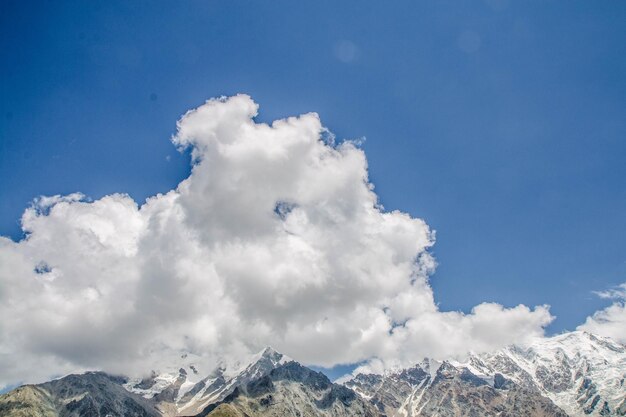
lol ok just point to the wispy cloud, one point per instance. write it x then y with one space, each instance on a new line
617 293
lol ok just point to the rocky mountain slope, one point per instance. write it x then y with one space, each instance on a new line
433 389
269 385
574 374
582 373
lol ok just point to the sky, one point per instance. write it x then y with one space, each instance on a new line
501 125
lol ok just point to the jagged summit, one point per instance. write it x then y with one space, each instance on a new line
270 351
272 355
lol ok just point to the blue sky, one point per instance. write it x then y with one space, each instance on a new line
501 124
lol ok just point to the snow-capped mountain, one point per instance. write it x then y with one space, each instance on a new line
443 389
291 390
582 373
268 384
575 374
188 391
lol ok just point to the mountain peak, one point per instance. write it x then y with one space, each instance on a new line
270 354
577 343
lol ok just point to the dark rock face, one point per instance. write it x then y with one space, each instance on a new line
500 382
259 387
471 379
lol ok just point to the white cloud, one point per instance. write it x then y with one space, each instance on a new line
611 321
276 238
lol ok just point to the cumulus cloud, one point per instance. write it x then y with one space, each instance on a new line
275 238
611 321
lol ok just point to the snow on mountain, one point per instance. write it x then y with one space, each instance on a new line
574 374
188 391
582 373
579 373
443 389
291 390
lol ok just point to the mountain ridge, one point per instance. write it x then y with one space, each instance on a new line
574 374
579 372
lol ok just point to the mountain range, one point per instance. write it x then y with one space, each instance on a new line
575 374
